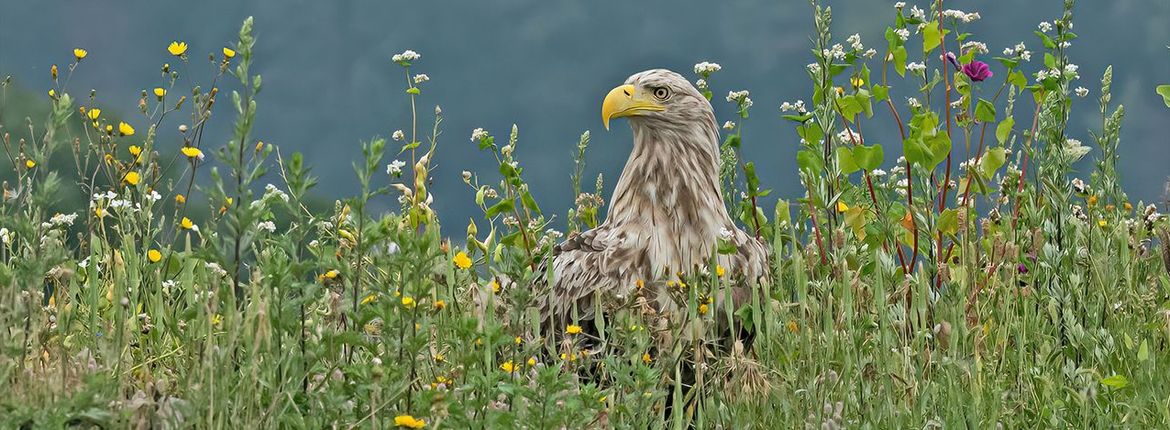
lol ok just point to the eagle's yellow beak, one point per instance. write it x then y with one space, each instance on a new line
626 101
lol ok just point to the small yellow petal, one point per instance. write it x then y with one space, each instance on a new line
177 48
79 53
192 152
842 207
131 178
160 92
125 129
154 255
93 113
462 261
186 223
30 163
229 52
134 150
573 329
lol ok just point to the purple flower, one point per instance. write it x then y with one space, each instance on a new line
977 71
1022 269
954 61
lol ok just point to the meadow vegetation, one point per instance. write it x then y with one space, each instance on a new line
976 280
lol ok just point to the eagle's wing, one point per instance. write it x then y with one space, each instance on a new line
583 268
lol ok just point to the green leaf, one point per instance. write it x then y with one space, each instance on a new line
948 222
529 202
1144 351
880 93
845 160
992 161
868 157
900 60
940 147
501 207
1004 129
855 219
985 111
797 118
809 162
916 151
810 132
1115 382
1049 60
1018 79
1164 91
850 107
930 37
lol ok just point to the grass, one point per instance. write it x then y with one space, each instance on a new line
976 283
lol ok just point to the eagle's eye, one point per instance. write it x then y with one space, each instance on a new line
661 93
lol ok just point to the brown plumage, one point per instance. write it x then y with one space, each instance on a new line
666 214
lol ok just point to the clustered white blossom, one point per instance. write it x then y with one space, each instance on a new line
215 268
836 52
1082 91
1044 26
917 13
1018 50
270 192
855 42
706 67
267 226
848 135
978 47
478 134
877 173
740 97
701 84
916 67
421 77
406 55
903 34
1074 149
899 5
395 167
398 135
6 238
960 15
913 102
797 106
870 53
154 196
728 125
725 233
63 219
813 68
1079 186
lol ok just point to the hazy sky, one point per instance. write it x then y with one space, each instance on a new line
545 66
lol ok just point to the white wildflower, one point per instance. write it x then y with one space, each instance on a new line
707 68
1082 91
438 110
421 77
877 173
917 13
855 42
215 268
913 102
903 34
899 5
395 167
916 67
870 53
398 135
267 226
1044 26
735 96
1075 150
960 15
701 84
406 55
63 219
154 196
6 238
478 134
728 125
813 68
977 47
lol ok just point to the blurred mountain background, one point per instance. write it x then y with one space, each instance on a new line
545 66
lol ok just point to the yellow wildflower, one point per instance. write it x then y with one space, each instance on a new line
52 94
177 48
531 361
332 274
508 366
495 286
216 319
1102 223
259 145
842 207
640 284
191 152
125 129
703 309
79 53
30 163
109 128
154 256
1092 201
573 329
99 212
134 150
131 178
1128 207
369 299
180 199
186 223
407 421
439 358
228 52
462 261
160 92
519 340
719 271
93 113
646 358
53 71
440 304
408 302
793 327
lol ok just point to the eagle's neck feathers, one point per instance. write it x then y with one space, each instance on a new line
668 199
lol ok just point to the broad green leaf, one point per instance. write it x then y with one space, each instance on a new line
985 111
845 160
1004 129
810 162
1164 91
916 151
940 147
501 207
930 37
868 157
1143 351
992 161
900 60
948 222
855 219
1115 382
1018 79
850 107
880 93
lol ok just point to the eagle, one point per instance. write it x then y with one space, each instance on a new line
666 215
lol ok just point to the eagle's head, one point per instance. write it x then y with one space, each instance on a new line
658 99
